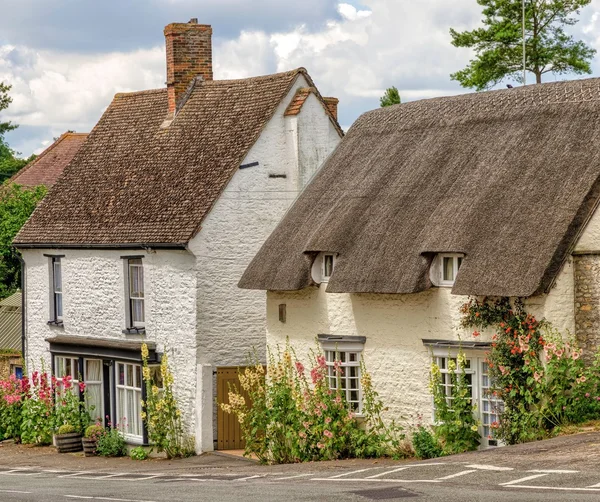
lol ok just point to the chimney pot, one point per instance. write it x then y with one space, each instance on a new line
332 106
189 54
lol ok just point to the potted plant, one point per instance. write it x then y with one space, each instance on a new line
90 438
67 439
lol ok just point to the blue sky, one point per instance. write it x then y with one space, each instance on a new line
67 58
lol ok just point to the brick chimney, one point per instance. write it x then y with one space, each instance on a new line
189 54
332 105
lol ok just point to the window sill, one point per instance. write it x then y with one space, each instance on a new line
134 331
58 324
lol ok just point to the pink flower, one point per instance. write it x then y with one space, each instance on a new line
476 334
327 433
302 435
299 368
81 386
328 420
587 394
320 445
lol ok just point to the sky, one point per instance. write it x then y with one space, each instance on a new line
65 59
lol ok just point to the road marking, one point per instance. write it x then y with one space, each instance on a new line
19 472
374 476
87 497
353 472
12 491
461 473
489 467
292 477
594 486
560 488
551 471
249 477
380 480
520 480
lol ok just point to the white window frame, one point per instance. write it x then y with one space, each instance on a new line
479 385
134 262
328 258
60 362
101 414
55 316
133 417
319 268
350 367
437 268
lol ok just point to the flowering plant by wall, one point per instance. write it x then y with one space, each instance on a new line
538 374
161 412
290 414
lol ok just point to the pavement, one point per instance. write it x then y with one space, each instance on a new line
560 469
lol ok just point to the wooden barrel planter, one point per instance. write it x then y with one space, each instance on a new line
66 443
89 447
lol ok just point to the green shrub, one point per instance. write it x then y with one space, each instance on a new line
425 444
66 429
94 431
138 453
111 444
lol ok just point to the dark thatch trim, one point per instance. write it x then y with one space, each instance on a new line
509 178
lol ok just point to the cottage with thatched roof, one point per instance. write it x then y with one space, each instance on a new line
147 232
424 203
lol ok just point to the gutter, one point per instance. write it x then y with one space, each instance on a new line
22 308
135 245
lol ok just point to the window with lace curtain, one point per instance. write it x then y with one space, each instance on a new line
135 294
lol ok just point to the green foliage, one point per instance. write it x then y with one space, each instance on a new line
111 443
286 419
425 444
539 375
161 412
498 43
456 428
16 205
9 163
5 100
93 431
138 453
69 407
390 97
66 429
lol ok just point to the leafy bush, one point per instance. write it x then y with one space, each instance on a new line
425 444
94 431
138 453
161 412
111 443
456 427
289 419
66 429
37 425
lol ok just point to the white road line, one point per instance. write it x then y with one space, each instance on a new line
560 488
87 497
292 477
18 472
249 477
461 473
380 480
594 486
353 472
375 476
124 477
12 491
551 471
73 474
488 467
520 480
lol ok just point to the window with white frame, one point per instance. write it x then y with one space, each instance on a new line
66 366
136 314
488 407
328 263
343 357
323 266
56 290
129 400
445 268
94 386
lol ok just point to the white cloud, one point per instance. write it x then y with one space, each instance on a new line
351 13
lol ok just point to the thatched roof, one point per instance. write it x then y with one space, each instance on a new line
136 183
507 177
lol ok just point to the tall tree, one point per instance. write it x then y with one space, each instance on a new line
391 97
498 45
9 161
16 205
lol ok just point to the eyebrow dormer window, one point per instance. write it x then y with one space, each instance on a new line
328 260
323 266
445 268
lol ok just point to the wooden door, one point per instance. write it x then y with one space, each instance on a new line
229 433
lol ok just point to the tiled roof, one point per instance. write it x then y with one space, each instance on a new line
135 182
49 165
10 322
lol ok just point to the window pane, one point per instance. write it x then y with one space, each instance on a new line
328 265
129 375
448 267
137 311
121 374
57 275
58 304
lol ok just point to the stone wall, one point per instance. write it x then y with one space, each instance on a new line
6 361
587 303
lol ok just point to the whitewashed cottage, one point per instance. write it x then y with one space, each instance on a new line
422 204
147 232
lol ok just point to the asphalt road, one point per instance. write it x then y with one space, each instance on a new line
562 469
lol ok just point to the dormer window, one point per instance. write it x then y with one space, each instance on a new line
445 268
323 267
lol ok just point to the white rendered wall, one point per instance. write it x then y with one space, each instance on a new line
94 306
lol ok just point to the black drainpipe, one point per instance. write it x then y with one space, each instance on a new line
22 309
